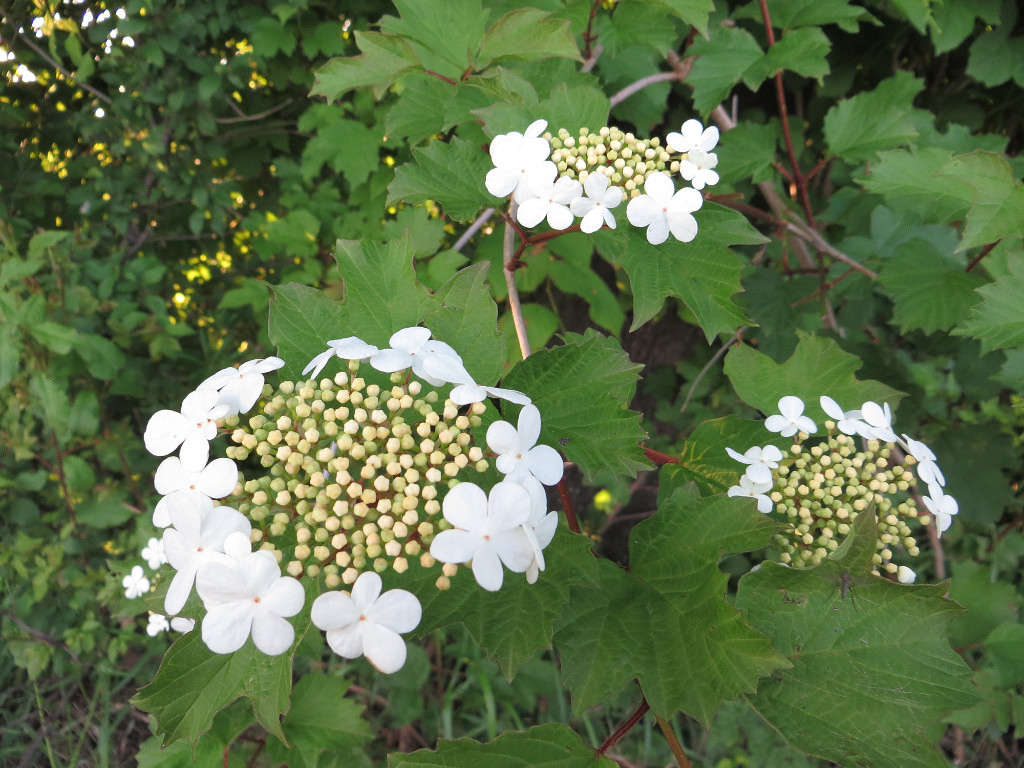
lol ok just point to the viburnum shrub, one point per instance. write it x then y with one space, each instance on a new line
397 463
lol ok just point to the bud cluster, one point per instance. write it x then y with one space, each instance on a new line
626 160
353 473
822 488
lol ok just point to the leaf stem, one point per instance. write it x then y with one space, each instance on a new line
660 458
625 728
570 512
514 305
439 76
984 252
673 742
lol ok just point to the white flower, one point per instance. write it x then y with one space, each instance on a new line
240 387
698 168
488 531
467 390
755 490
540 527
410 349
546 198
790 418
243 591
879 421
349 348
192 428
847 422
662 210
157 623
198 533
693 135
927 469
153 553
518 454
173 478
761 461
941 506
183 624
905 575
596 207
514 155
367 622
135 583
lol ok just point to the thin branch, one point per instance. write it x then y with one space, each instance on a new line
69 76
475 227
809 233
244 118
643 82
570 512
710 363
625 728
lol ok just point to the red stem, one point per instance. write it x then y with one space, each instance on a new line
984 252
624 728
570 513
660 458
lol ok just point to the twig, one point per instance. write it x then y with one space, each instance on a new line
514 305
475 227
570 512
625 728
53 63
707 366
643 82
244 118
811 234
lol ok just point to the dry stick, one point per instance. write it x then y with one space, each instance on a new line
643 82
475 227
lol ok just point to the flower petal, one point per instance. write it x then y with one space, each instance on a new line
545 463
487 568
397 610
384 648
502 438
226 627
271 633
333 611
455 546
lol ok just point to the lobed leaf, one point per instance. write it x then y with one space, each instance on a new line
450 173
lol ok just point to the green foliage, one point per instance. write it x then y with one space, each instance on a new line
864 242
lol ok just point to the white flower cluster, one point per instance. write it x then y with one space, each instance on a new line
873 423
591 180
243 592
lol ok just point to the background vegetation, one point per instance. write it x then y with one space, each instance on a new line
159 162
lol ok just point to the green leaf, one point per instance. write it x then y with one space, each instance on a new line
693 12
515 623
997 209
383 58
381 292
930 290
989 603
858 128
453 30
102 357
996 57
817 367
467 318
10 357
347 146
320 719
910 182
59 339
422 110
704 274
917 12
789 14
553 746
583 389
804 51
871 666
193 684
527 33
704 460
18 269
571 273
721 62
998 321
666 620
302 320
41 242
450 173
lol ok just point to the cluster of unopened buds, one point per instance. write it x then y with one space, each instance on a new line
560 177
338 480
820 489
